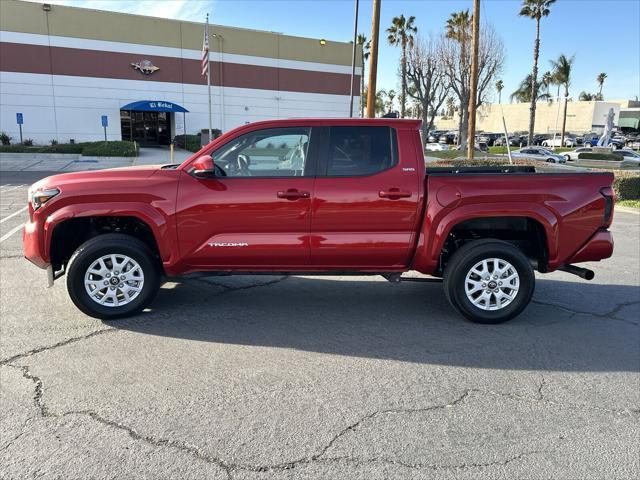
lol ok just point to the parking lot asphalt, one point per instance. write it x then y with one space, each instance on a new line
319 377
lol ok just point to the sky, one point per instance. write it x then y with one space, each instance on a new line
604 35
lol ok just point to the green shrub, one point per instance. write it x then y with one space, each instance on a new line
192 142
491 162
28 142
5 139
109 149
627 186
88 149
599 156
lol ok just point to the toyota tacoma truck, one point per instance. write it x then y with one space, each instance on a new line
321 197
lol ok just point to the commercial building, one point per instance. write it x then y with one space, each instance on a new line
65 68
582 117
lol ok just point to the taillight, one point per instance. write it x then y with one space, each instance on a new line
609 196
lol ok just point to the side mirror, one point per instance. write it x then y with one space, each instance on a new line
203 166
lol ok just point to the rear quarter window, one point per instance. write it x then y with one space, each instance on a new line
359 151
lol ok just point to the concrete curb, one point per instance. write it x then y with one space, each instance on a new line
626 210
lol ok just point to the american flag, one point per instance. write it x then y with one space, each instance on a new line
205 50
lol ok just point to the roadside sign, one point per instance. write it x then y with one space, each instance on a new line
19 118
105 124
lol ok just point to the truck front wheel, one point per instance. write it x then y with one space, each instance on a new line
489 281
112 276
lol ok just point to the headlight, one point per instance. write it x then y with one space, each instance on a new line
40 197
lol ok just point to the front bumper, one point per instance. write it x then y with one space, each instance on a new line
32 245
599 247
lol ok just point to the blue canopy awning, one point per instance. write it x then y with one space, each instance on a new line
154 106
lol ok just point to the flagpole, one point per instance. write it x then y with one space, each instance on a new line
208 76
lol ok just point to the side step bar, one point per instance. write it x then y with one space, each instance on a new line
397 278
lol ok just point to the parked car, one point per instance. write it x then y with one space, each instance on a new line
614 143
573 155
488 138
434 136
502 141
244 203
539 138
626 153
541 154
436 147
450 138
557 142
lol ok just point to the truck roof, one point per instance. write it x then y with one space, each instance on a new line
404 123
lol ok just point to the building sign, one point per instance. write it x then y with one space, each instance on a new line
145 67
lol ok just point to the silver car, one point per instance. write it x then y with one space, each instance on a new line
541 154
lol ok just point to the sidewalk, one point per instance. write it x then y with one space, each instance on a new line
27 162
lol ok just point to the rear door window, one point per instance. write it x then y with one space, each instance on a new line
359 151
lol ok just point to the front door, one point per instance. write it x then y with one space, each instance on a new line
366 197
255 213
146 128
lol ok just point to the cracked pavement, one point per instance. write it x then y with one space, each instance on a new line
315 377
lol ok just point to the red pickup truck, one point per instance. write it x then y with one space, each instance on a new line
317 196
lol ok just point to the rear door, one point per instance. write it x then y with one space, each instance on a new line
366 198
255 213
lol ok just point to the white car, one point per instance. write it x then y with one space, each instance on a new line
573 155
556 142
436 147
537 153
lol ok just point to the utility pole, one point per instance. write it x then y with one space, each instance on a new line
373 60
353 59
471 133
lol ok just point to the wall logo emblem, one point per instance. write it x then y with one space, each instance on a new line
145 66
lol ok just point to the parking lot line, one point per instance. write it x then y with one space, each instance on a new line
10 232
13 214
5 190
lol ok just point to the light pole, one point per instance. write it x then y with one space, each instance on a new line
353 59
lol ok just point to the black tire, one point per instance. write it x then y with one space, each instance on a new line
551 160
465 258
112 243
567 158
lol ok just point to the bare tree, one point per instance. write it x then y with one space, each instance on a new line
427 79
456 62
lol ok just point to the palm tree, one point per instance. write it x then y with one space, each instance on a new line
535 9
523 92
391 94
562 77
458 26
499 87
600 79
366 51
587 97
401 32
547 81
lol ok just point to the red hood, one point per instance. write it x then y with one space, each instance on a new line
108 175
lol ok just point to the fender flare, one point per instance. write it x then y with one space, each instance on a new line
157 223
438 225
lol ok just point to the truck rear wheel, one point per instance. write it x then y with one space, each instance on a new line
489 281
112 276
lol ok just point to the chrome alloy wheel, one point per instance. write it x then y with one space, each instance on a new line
492 284
114 280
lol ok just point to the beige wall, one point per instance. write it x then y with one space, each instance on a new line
582 117
28 17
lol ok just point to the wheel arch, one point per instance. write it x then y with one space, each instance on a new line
65 233
439 237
